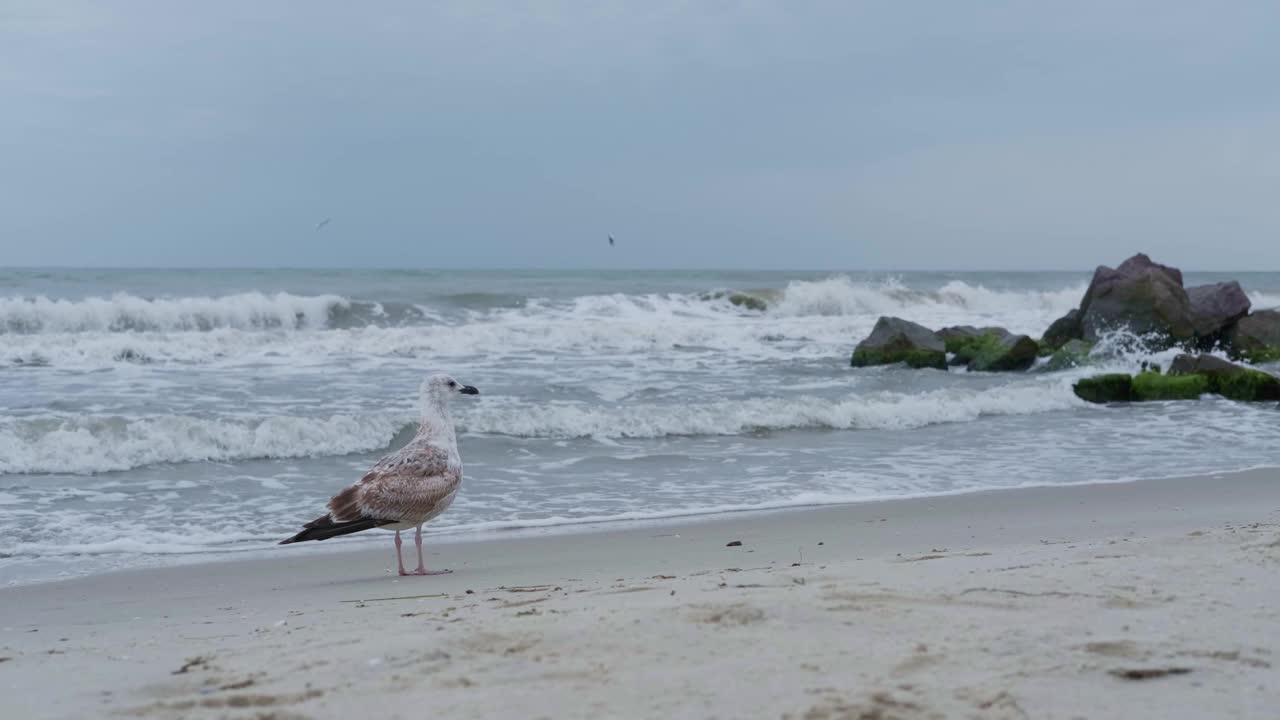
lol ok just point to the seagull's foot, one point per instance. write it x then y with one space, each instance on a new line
404 572
424 571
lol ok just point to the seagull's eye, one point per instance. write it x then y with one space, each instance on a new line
453 384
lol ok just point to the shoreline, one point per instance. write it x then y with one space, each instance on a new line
514 530
1023 600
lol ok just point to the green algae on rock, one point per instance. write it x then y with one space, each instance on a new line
1151 385
989 349
1072 354
1113 387
894 340
738 298
1189 377
1256 337
1228 379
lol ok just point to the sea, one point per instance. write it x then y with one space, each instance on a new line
171 416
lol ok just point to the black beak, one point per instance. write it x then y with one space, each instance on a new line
469 390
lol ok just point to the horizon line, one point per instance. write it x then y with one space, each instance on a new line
463 268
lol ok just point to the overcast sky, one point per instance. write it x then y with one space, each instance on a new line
841 135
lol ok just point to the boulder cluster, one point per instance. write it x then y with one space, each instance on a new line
1189 377
894 340
1148 299
1140 296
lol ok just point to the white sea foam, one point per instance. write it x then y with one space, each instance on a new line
879 411
839 296
654 319
1263 301
123 312
103 444
810 318
127 539
189 540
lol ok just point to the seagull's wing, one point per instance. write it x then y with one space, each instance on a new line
405 486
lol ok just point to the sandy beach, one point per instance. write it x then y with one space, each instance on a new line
1146 599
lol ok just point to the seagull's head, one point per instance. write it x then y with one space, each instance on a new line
440 388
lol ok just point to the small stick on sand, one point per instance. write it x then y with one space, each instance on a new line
398 597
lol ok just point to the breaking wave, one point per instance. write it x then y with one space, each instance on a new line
128 313
881 411
813 316
841 295
105 444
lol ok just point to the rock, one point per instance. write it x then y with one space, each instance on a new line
957 337
1141 262
750 302
1228 379
1185 364
1062 331
1249 386
1073 354
1148 385
738 298
894 340
1256 337
1115 387
1151 385
990 349
1189 377
1141 295
1215 307
961 332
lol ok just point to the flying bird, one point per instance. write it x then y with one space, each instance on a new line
406 488
610 241
320 225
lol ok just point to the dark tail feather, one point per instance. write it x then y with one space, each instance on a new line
324 528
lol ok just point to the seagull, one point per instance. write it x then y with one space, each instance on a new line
320 225
610 241
406 488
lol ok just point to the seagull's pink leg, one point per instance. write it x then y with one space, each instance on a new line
399 562
422 570
417 540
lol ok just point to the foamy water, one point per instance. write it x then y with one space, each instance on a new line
148 416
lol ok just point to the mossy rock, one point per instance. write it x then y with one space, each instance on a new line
992 350
912 358
738 299
1115 387
1260 354
1256 337
1229 380
1145 386
1242 384
894 340
1249 386
963 348
1073 354
750 302
1151 385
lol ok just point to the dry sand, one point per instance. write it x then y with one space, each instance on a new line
1156 599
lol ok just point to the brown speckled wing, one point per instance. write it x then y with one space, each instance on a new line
404 486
